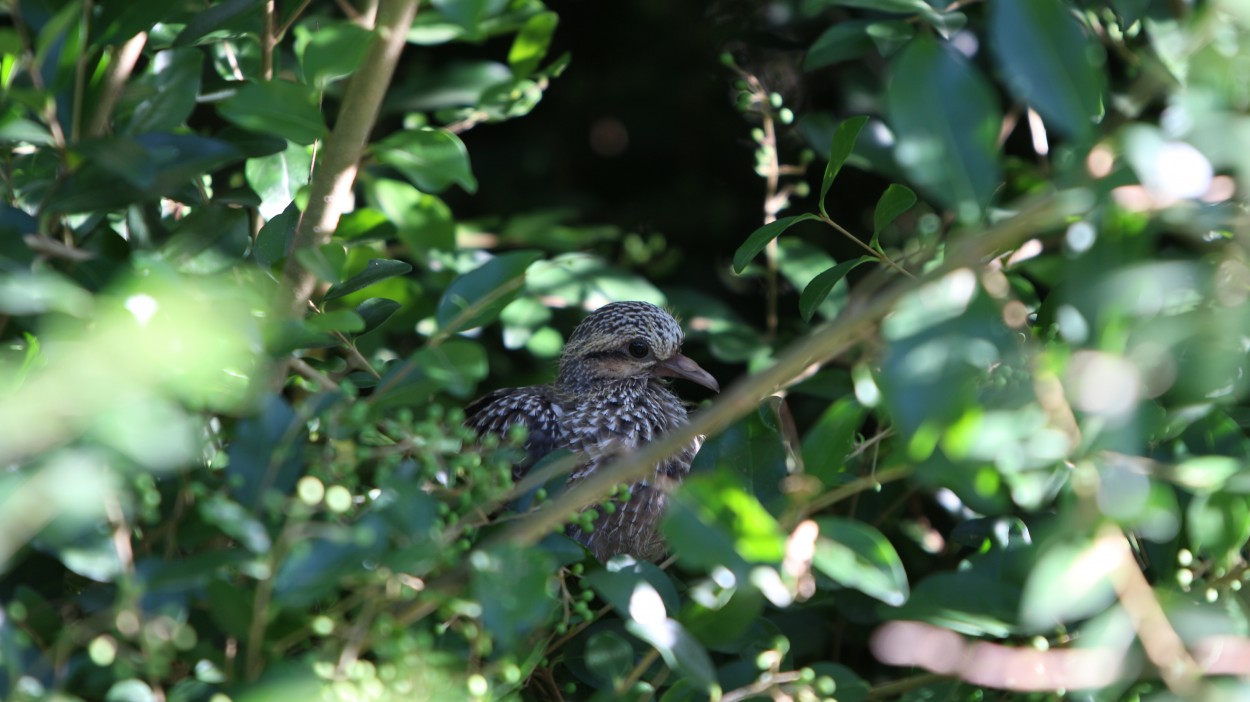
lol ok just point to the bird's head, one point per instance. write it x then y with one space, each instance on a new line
628 341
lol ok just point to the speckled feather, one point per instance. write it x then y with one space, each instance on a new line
604 403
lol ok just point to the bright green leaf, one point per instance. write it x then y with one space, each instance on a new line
331 51
531 43
431 158
277 178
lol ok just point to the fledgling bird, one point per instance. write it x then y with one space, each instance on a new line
611 396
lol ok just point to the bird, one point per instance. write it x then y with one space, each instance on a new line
611 396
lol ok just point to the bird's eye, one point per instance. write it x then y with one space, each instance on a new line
639 348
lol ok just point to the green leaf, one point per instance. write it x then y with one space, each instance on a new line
164 96
476 298
714 521
531 43
681 651
455 367
841 42
235 522
431 158
831 439
331 51
760 238
279 107
515 588
890 35
964 602
1218 524
609 656
223 16
375 311
345 321
277 178
1069 582
752 451
857 556
423 222
274 238
951 153
377 270
820 287
622 576
1050 63
896 200
843 143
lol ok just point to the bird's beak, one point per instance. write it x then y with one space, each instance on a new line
679 366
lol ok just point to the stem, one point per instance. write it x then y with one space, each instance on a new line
877 254
267 39
80 73
119 69
331 187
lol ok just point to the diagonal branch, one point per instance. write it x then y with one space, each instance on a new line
331 187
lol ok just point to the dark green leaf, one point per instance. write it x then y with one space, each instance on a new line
964 602
820 287
377 270
951 153
515 587
262 455
1218 524
278 107
829 441
226 16
1050 63
164 96
752 451
681 651
431 158
476 298
857 556
760 238
531 43
315 566
331 51
843 143
609 656
423 222
622 575
236 522
375 311
841 42
890 35
896 200
274 238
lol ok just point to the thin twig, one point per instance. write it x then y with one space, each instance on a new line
118 72
875 253
268 37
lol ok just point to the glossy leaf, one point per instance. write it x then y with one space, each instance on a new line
277 178
454 367
950 153
422 221
224 16
843 143
760 238
477 297
375 311
1051 63
377 270
515 588
332 51
432 159
277 107
274 238
843 41
168 90
820 287
831 438
714 521
858 556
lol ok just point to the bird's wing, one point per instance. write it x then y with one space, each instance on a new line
532 407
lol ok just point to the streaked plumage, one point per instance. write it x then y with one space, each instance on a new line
611 396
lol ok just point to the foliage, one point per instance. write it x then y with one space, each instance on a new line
990 421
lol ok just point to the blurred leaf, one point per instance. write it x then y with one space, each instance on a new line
890 35
623 575
235 522
1070 581
1218 524
713 521
531 43
455 367
858 556
277 107
39 293
432 159
345 321
315 566
274 238
476 298
469 13
1051 64
896 200
609 656
952 153
516 590
459 84
842 42
277 178
377 270
331 51
963 602
375 311
228 14
843 142
263 455
423 222
760 238
820 287
132 690
751 451
587 282
831 438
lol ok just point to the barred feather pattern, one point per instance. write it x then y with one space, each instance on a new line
605 403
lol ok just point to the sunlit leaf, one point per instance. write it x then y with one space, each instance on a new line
531 43
858 556
379 269
477 297
332 51
277 107
432 159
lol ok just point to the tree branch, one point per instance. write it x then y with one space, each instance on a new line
332 183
